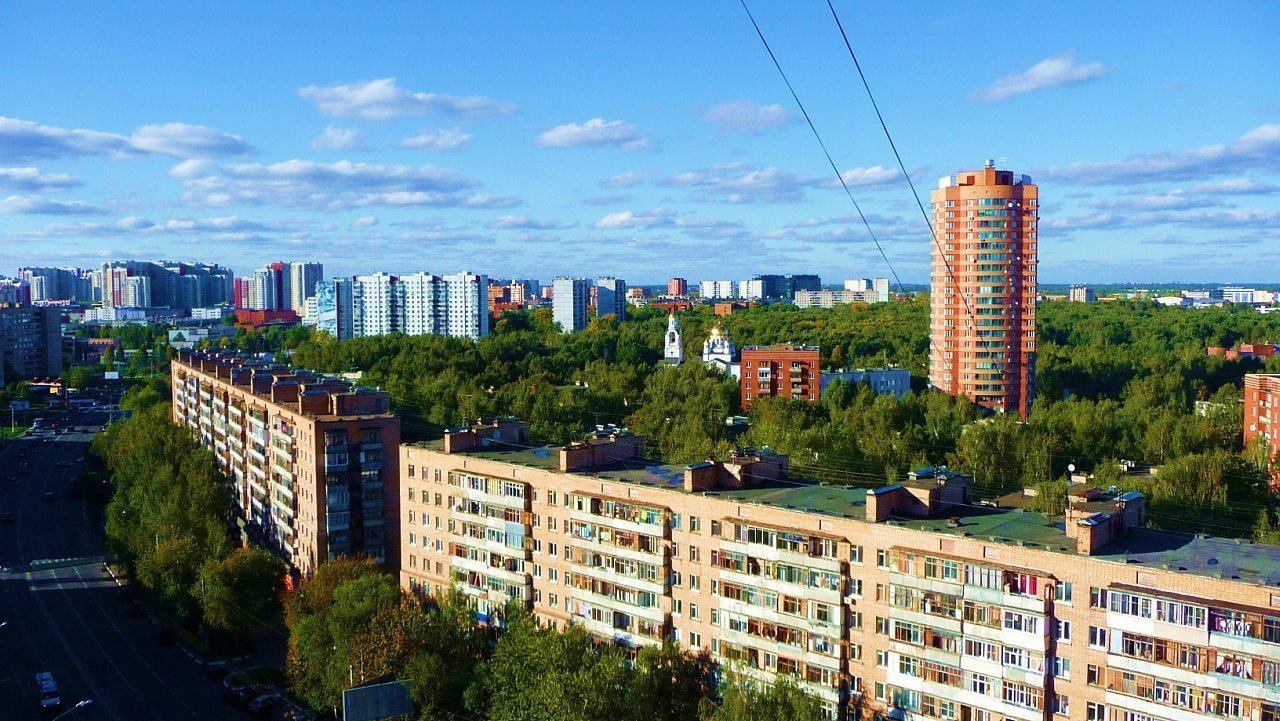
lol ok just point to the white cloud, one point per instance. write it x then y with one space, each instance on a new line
336 138
439 139
745 116
382 99
595 133
630 219
367 221
31 179
1234 186
1052 72
521 222
337 186
187 141
866 177
39 205
1256 150
26 140
192 168
625 180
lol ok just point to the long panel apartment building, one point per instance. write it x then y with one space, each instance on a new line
906 600
312 460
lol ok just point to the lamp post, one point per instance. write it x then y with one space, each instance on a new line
80 704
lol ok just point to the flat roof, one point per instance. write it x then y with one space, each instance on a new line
1226 558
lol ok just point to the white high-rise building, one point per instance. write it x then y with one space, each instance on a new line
302 283
569 303
375 305
466 297
135 292
611 298
709 289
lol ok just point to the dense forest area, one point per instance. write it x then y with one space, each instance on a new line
1117 381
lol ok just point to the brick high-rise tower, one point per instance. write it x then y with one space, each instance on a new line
983 293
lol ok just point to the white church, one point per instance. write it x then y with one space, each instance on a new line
719 352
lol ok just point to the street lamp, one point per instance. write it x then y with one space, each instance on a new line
80 704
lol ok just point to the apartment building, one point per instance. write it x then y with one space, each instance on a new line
905 601
1262 414
569 301
30 342
983 294
782 370
312 461
611 298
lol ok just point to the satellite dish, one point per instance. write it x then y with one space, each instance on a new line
484 442
497 434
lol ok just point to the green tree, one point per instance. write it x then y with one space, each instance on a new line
241 590
742 699
537 673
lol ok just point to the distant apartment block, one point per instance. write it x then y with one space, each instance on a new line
873 290
312 461
716 289
30 343
611 298
833 298
569 300
1262 418
1082 294
162 284
781 371
418 304
906 601
49 284
891 381
677 287
983 293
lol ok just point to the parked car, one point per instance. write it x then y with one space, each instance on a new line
263 705
238 690
47 690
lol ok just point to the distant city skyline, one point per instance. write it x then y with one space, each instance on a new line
531 142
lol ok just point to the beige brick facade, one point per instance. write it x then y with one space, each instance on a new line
970 612
313 462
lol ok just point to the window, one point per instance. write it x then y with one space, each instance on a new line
1097 637
695 524
1015 621
1063 631
882 559
1093 675
1062 668
1095 712
411 472
1060 704
855 554
715 528
1062 592
942 569
695 640
693 611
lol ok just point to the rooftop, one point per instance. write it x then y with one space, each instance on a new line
1225 558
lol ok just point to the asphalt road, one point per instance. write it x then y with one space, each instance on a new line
64 614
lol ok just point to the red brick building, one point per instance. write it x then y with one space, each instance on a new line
787 371
1262 416
983 292
672 306
677 286
260 318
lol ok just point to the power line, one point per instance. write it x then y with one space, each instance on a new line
822 144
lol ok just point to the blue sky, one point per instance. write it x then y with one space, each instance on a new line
641 140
